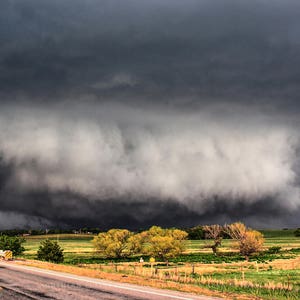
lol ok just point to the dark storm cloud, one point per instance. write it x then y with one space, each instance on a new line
116 112
169 49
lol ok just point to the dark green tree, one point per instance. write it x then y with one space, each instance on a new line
13 243
297 232
196 233
50 251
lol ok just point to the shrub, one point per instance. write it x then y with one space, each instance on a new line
50 251
13 243
274 250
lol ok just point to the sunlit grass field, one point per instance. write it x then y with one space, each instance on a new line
73 244
268 276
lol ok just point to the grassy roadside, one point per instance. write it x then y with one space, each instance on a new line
231 281
132 279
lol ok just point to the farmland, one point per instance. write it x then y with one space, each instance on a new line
267 275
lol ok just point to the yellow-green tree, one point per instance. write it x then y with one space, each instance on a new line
117 243
249 240
164 243
135 243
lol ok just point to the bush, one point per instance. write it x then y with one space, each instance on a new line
50 251
13 243
273 250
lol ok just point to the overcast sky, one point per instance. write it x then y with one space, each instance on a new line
131 113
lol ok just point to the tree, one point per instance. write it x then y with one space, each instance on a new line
297 232
236 231
13 243
252 242
135 243
50 251
195 233
214 232
117 243
165 243
249 240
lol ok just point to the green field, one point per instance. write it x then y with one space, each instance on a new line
74 245
80 245
269 276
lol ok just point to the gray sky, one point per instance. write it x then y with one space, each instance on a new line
131 113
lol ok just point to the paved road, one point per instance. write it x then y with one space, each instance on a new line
21 282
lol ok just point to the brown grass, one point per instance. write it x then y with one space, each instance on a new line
133 279
286 264
178 277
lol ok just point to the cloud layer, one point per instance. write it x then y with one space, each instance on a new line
116 112
144 50
123 153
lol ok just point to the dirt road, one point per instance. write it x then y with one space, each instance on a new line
21 282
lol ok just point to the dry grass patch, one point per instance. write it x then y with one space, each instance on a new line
99 273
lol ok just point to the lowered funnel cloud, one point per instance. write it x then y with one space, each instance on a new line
133 113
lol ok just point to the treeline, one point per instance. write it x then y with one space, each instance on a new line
20 232
193 233
200 233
